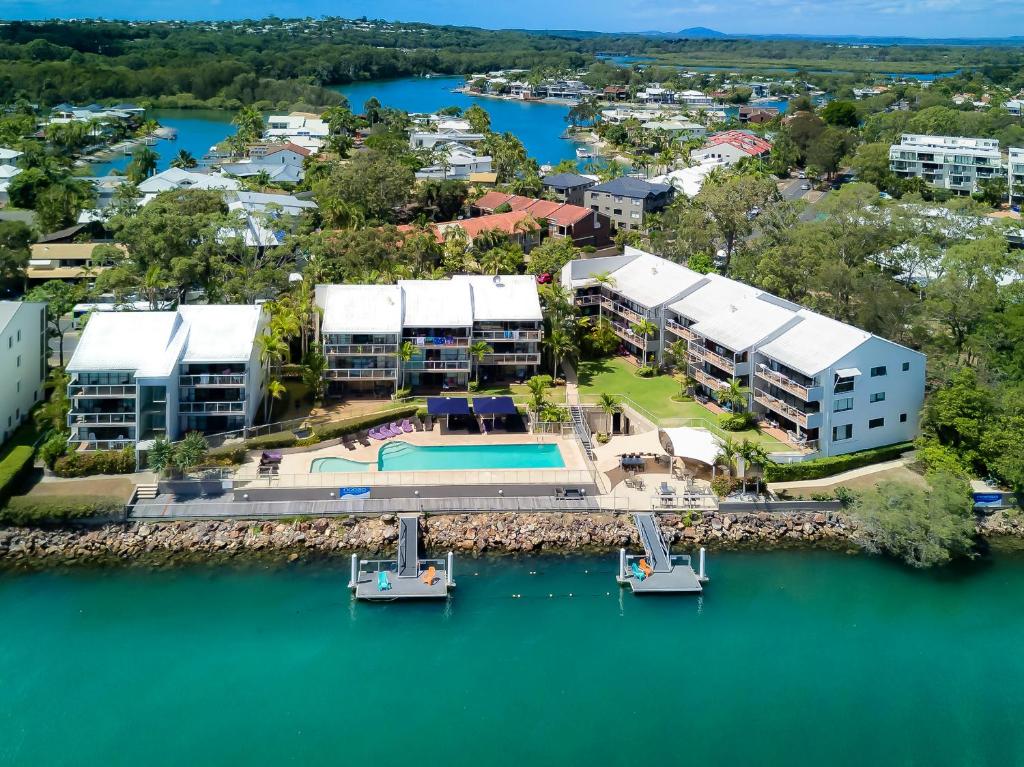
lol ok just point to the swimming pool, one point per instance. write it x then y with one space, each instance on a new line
401 456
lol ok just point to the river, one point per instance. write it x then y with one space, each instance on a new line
789 658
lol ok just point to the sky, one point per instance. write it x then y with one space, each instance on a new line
911 18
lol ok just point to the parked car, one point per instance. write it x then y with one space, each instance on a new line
805 186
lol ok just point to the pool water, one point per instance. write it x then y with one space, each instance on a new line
401 456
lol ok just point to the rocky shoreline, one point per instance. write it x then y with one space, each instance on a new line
177 543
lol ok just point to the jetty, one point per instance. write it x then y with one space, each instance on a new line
658 571
406 577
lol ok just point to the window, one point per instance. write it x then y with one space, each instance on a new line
19 336
876 423
878 371
906 366
19 361
617 211
878 396
842 404
843 385
840 433
903 417
634 215
18 387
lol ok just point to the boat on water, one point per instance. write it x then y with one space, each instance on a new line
585 152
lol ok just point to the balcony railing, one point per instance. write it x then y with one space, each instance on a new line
102 444
806 393
627 334
211 380
200 408
101 390
373 350
613 306
511 359
726 364
438 342
775 404
508 335
100 419
679 330
417 365
710 381
365 374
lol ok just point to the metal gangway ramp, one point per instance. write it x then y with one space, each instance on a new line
653 542
408 545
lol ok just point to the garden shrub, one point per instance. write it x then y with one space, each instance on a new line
737 421
826 467
79 464
646 371
14 467
29 510
723 485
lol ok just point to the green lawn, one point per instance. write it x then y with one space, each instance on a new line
617 376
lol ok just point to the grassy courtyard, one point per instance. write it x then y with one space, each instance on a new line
654 395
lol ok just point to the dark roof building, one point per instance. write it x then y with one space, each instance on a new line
628 201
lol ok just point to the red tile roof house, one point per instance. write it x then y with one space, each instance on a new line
582 225
730 147
519 225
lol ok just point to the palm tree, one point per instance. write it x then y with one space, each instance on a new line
678 352
405 354
735 396
314 363
249 121
272 352
644 328
184 159
538 386
610 405
561 345
260 180
752 454
477 351
143 164
275 390
727 454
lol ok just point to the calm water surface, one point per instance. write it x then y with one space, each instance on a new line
789 658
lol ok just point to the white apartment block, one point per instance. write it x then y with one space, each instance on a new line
363 328
138 376
1015 171
946 162
23 353
831 387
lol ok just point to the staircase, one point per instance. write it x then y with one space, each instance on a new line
582 429
146 492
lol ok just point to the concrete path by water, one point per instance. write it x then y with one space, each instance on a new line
864 471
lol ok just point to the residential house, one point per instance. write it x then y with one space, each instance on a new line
582 225
179 178
457 162
419 139
303 129
68 260
615 93
1015 171
23 353
628 202
692 98
680 130
7 174
947 162
832 388
567 187
1015 107
729 147
756 115
138 376
689 180
363 328
9 156
655 94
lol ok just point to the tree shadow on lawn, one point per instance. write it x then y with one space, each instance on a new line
588 369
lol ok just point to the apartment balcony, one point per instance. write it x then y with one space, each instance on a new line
438 342
715 384
806 393
361 374
100 419
429 366
101 390
205 380
511 359
794 414
685 333
626 334
369 350
507 335
211 408
606 303
705 354
100 444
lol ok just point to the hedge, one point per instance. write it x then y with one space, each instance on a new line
79 464
28 510
818 468
16 460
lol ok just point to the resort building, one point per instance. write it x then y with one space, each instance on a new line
1015 171
137 376
23 353
365 327
947 162
628 202
830 387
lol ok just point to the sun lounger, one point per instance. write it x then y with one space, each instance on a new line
396 428
429 576
383 584
637 572
407 426
374 434
646 568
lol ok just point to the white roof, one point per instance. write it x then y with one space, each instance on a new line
717 295
739 327
505 297
258 201
360 308
815 343
696 444
436 303
151 343
178 178
220 333
9 154
651 281
9 171
688 180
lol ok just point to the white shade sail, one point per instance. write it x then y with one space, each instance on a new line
693 444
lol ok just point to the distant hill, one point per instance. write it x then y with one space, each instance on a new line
699 33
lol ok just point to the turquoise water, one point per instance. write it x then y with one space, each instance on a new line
198 130
537 125
401 456
788 659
